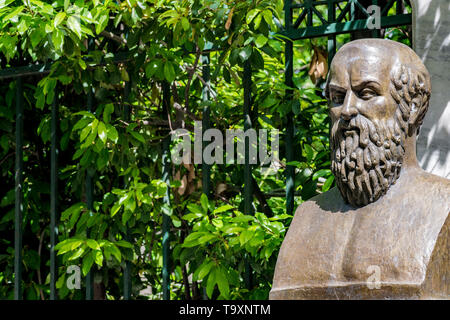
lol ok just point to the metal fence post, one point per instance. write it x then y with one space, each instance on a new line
206 168
53 194
166 200
89 203
289 72
18 192
331 39
127 285
248 198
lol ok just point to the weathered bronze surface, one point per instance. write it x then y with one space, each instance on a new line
383 233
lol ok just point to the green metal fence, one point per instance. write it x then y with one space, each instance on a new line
303 20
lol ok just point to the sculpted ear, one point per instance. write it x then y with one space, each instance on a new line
420 91
414 114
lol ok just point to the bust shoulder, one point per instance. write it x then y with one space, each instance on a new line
330 244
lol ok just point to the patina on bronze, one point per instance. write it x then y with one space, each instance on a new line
383 232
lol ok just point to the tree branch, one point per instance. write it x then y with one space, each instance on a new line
191 72
113 37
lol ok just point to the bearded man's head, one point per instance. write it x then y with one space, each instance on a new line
378 93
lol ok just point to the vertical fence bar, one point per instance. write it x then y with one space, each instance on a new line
398 7
53 194
289 72
18 192
331 39
352 10
206 168
166 200
248 198
89 203
127 270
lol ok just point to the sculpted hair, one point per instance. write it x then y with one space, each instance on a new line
411 89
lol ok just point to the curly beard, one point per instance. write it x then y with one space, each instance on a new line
366 157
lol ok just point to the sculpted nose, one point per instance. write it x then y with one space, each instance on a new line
349 109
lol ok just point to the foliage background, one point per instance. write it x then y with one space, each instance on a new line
162 40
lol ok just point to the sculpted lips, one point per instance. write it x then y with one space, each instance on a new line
348 128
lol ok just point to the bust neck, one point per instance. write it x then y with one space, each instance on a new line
410 158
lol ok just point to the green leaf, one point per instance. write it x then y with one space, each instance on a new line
308 152
48 28
116 207
112 133
222 282
321 173
204 269
36 36
169 71
123 243
98 257
185 23
207 238
109 109
88 260
59 18
115 252
166 209
84 113
296 107
245 236
138 136
13 14
82 64
223 209
245 53
23 26
327 185
77 254
58 39
71 210
257 21
74 25
102 22
126 216
101 130
204 203
194 208
191 216
211 283
243 218
251 15
260 41
152 67
192 239
84 133
91 243
267 14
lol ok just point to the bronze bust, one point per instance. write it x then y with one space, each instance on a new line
386 213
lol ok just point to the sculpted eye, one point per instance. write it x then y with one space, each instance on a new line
337 97
367 93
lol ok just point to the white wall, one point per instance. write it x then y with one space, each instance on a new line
431 41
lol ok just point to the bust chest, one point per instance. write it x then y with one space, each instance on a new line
340 252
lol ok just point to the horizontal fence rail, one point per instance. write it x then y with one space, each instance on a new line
311 23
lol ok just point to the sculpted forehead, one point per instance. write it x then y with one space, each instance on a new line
357 63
